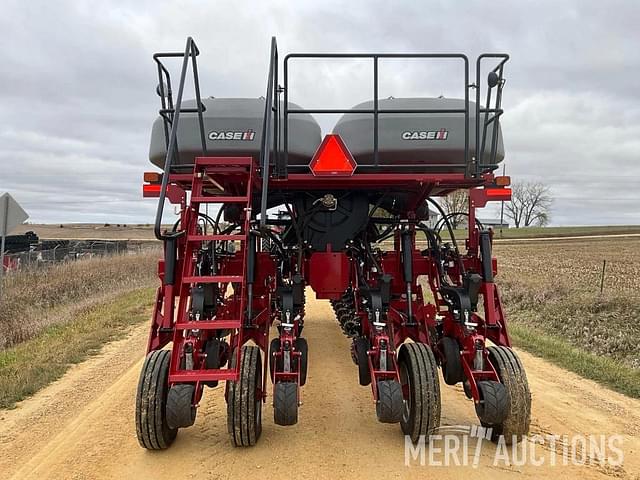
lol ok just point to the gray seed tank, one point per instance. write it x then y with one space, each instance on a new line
432 141
233 127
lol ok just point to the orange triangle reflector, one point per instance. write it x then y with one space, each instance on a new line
332 158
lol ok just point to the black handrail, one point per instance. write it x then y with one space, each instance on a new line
375 111
497 111
474 167
171 116
269 112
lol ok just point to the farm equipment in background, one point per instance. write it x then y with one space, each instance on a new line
21 243
226 279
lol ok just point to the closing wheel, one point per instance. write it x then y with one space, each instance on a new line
512 374
285 403
303 347
212 360
452 371
244 402
362 346
493 407
152 429
278 362
421 387
180 409
390 404
274 362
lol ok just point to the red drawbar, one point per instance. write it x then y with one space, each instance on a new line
332 158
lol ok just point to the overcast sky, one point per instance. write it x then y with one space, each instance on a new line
77 88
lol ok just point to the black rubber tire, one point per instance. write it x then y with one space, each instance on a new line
493 408
512 374
152 429
419 371
244 403
180 410
303 347
390 403
452 370
212 361
285 403
274 346
212 349
352 350
362 345
466 387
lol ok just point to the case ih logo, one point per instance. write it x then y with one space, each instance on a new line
426 135
246 135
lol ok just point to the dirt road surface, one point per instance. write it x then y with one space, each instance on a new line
82 427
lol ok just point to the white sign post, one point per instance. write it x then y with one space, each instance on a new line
11 215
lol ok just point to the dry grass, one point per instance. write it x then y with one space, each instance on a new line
554 288
33 300
33 364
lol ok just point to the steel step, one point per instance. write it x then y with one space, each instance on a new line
209 325
214 279
208 375
220 199
208 238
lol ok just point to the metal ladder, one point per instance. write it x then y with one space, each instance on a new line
211 173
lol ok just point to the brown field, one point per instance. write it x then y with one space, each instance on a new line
81 231
554 287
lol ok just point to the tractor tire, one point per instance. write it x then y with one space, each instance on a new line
362 345
152 429
419 373
244 403
390 404
180 410
452 371
514 378
285 403
493 407
303 347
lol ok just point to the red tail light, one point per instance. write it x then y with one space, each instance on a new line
498 194
152 190
332 158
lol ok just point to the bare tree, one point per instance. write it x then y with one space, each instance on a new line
456 202
530 204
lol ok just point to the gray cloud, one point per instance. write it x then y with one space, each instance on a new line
77 88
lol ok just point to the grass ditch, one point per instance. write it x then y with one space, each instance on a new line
606 371
551 292
34 299
31 365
